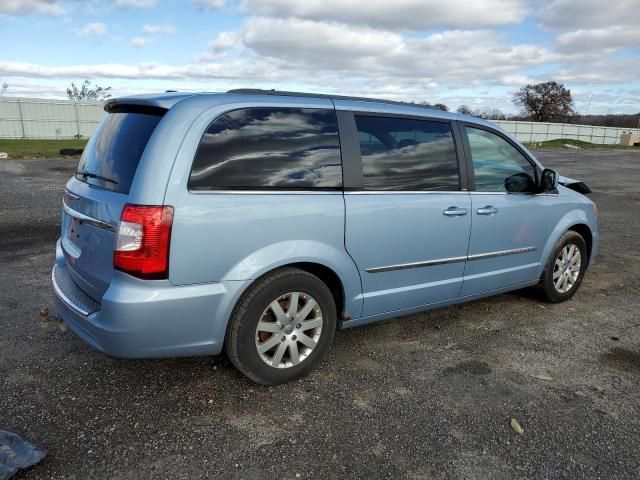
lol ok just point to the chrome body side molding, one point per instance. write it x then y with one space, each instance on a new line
443 261
426 263
501 253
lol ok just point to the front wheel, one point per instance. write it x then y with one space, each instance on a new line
282 328
565 268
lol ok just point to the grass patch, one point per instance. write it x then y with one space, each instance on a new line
29 148
561 142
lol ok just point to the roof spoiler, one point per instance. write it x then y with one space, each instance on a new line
114 106
162 101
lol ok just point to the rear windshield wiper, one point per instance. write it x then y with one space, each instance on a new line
86 174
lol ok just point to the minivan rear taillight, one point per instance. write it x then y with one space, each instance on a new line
142 241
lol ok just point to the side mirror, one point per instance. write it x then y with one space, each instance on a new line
520 183
548 181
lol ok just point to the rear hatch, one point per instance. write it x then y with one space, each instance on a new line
95 195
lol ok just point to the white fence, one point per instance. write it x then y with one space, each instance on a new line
36 118
532 132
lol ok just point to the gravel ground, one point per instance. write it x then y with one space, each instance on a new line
423 396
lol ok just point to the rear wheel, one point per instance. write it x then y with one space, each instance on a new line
565 268
282 328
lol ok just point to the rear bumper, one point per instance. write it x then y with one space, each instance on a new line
146 319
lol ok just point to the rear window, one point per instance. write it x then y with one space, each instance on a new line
111 157
269 148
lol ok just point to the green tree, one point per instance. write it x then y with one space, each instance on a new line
88 94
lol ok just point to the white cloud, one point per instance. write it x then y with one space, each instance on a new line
158 29
390 60
402 14
96 29
262 73
221 45
585 14
139 42
516 80
259 70
28 7
358 58
597 39
378 48
455 55
326 54
322 44
208 4
603 70
136 3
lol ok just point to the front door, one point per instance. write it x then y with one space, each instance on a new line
408 227
509 222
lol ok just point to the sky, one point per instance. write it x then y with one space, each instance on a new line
472 52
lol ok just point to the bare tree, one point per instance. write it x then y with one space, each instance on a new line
489 113
87 94
3 88
545 102
465 110
436 106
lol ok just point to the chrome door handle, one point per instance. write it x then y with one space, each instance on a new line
454 212
488 210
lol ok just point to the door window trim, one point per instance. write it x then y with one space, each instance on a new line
469 160
353 172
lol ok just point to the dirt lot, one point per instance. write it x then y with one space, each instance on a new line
424 396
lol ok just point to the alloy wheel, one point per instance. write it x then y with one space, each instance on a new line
289 330
566 268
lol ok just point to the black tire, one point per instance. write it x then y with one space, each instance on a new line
242 336
549 290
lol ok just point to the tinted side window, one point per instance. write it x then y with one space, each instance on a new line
407 154
255 148
495 160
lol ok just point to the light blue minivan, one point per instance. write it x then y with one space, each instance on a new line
261 221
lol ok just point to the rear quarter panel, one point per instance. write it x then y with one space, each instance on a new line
239 236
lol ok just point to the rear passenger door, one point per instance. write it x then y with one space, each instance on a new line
510 222
407 217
